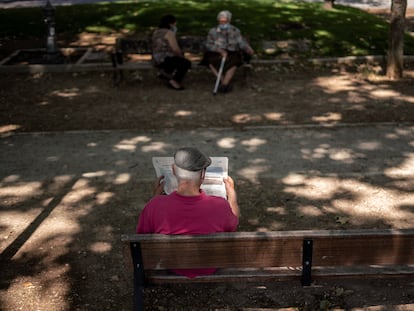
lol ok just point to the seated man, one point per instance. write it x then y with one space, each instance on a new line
225 41
189 210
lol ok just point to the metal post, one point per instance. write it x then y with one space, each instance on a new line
49 13
139 276
307 262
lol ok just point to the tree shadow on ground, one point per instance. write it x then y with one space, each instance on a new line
83 190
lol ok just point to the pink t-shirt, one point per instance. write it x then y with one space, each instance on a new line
178 214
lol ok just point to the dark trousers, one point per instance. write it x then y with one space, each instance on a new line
176 66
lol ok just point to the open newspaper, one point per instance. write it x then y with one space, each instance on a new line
213 182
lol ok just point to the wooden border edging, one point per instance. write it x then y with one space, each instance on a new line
107 66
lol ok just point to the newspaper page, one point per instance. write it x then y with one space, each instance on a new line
213 182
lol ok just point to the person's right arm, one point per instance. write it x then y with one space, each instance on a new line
158 186
211 43
231 195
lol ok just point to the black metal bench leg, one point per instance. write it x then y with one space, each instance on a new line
116 58
307 262
138 298
139 276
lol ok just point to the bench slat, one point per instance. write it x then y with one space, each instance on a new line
279 274
276 249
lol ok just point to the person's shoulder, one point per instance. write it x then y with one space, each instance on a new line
157 200
162 31
216 200
234 28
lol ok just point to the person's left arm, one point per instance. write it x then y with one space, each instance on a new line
172 41
242 43
232 195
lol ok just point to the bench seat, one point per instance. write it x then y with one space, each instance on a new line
258 256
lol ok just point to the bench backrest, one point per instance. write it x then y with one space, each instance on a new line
275 249
190 44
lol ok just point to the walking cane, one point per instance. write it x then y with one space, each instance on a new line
223 60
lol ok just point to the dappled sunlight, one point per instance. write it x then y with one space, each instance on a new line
131 144
244 118
104 197
276 210
67 93
310 210
359 200
122 179
311 188
22 190
76 203
253 171
183 113
328 117
274 116
369 145
358 92
40 290
100 247
253 144
406 168
401 132
155 146
100 42
227 142
95 174
11 223
9 128
325 151
385 93
341 83
273 225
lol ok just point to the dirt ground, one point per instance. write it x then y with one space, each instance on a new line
84 271
60 236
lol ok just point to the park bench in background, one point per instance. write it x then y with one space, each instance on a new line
136 54
265 256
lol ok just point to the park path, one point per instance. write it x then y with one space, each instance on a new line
262 152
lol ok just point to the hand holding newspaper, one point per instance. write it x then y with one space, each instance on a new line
213 182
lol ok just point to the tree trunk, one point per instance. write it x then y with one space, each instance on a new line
328 4
395 60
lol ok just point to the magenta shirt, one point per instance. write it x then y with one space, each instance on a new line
178 214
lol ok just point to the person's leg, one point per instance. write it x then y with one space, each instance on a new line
229 75
215 72
213 60
182 65
170 67
233 61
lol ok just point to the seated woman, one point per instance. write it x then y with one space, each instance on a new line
167 55
225 40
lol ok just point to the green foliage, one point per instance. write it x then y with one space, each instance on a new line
337 32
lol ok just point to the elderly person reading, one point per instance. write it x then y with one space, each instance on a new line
189 210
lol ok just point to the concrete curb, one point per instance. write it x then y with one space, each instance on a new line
107 66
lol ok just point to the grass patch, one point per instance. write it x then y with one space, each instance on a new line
339 32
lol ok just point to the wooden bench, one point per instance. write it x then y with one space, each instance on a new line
125 48
265 256
124 51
